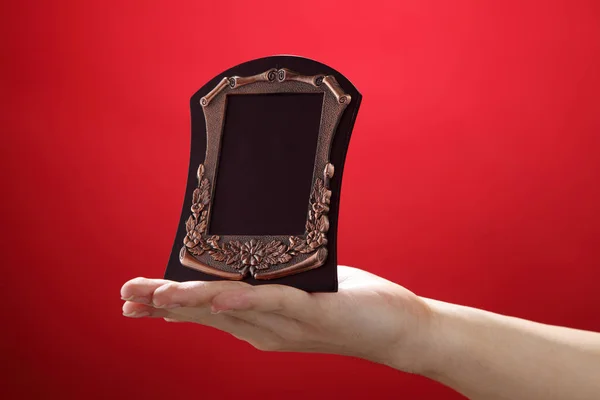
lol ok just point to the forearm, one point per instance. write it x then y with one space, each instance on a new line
489 356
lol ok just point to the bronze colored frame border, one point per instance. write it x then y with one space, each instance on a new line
264 257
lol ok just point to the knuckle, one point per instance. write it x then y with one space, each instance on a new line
166 288
163 293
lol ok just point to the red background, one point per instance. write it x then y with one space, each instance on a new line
472 177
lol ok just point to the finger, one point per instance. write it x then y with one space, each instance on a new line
238 327
137 310
244 330
140 290
185 314
281 299
289 328
190 294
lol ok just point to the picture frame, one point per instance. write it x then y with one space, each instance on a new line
280 101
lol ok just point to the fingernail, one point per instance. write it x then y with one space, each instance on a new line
137 314
141 300
166 306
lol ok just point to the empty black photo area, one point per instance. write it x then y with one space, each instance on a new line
265 169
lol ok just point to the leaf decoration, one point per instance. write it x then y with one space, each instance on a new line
296 245
217 255
322 224
190 224
213 241
232 258
197 250
273 252
204 190
233 246
201 227
261 266
285 257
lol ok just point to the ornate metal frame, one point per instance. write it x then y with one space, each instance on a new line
264 257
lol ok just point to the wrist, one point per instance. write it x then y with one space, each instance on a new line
425 347
441 339
453 340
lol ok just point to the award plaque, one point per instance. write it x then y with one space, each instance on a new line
269 141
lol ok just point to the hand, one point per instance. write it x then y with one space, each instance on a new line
480 354
369 317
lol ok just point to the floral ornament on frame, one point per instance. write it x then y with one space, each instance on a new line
254 255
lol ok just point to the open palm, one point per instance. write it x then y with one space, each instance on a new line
369 317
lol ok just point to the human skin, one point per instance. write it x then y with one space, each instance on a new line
478 353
